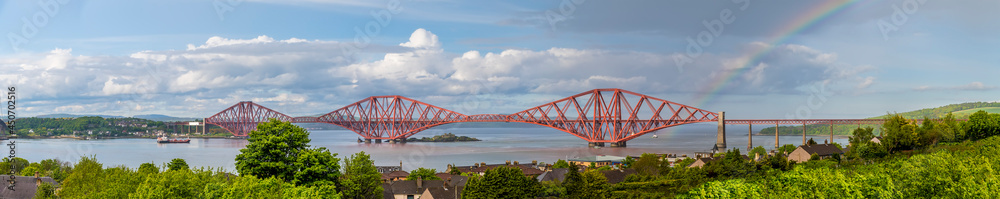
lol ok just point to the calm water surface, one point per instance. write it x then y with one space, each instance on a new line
499 145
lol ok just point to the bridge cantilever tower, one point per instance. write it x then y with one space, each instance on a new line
612 115
243 117
390 117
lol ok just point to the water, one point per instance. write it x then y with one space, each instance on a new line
499 145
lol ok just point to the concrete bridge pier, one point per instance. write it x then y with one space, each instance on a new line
392 141
369 141
621 144
378 140
720 137
593 144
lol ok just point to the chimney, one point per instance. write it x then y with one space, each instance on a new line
420 183
482 164
515 163
477 165
508 162
826 141
38 181
534 162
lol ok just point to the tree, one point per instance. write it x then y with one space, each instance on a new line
595 186
560 164
786 149
316 166
280 149
148 168
628 162
573 181
81 182
45 190
951 130
361 178
648 164
982 125
811 142
502 182
177 164
758 151
423 173
899 133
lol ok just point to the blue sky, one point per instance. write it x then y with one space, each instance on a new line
194 58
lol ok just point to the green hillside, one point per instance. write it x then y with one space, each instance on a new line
961 111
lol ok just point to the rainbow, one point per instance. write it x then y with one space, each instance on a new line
807 19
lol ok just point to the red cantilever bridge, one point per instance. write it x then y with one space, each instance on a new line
599 116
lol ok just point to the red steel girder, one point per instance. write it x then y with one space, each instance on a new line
243 117
390 117
612 115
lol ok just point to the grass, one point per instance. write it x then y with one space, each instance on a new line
968 112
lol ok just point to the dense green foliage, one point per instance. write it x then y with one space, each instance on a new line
502 182
423 174
280 149
560 164
447 137
967 172
32 126
176 164
361 178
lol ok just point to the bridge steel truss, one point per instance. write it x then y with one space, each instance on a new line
598 116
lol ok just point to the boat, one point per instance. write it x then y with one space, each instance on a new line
168 140
654 135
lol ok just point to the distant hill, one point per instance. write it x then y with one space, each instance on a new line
164 118
961 111
61 115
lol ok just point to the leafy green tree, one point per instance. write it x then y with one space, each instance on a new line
316 166
180 183
148 168
361 178
982 125
628 162
595 186
573 181
280 149
787 149
502 182
560 164
811 142
648 164
81 182
899 133
758 151
45 190
177 164
252 187
423 173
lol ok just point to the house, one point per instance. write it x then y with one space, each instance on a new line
804 153
599 161
388 169
394 176
442 193
25 186
877 139
554 175
616 176
529 170
416 189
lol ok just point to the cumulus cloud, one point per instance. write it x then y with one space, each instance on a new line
304 77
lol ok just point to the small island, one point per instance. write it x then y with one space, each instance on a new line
447 137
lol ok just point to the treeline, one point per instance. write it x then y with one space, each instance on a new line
33 126
940 112
447 137
934 159
928 113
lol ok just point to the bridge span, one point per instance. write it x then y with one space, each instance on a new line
598 116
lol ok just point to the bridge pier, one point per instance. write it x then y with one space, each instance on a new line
369 141
621 144
720 137
593 144
378 140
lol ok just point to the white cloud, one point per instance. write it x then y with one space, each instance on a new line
301 76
